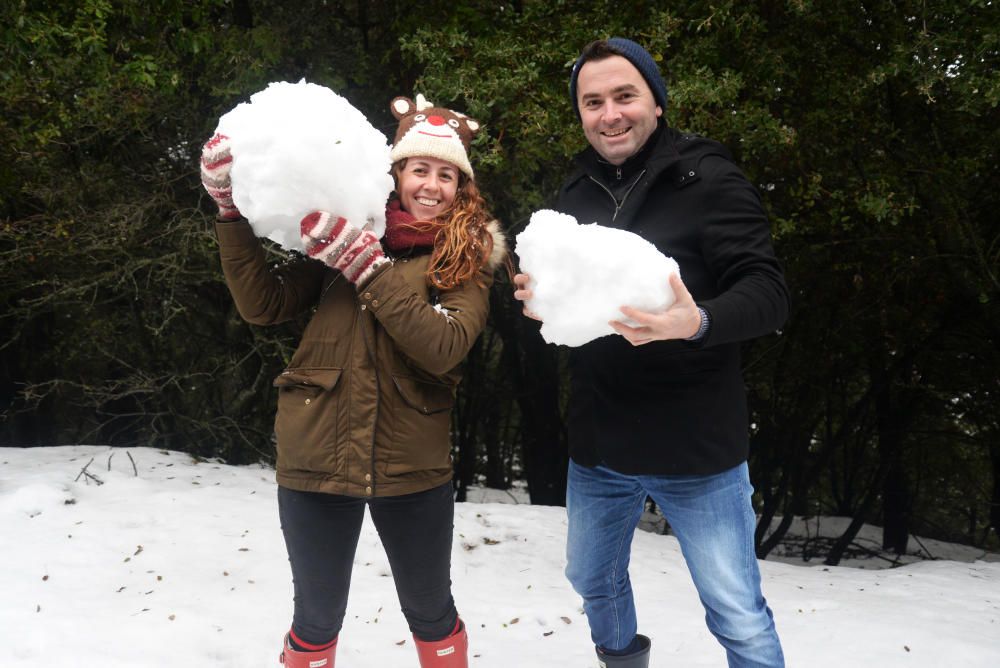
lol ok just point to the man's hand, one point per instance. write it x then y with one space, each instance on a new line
680 321
523 294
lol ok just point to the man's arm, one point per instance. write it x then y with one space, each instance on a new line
752 298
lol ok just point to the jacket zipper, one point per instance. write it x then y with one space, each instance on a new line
611 195
378 398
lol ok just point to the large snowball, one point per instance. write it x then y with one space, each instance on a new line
582 274
299 148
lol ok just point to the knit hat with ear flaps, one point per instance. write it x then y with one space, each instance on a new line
426 130
642 61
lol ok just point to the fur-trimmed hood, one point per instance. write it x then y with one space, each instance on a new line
500 250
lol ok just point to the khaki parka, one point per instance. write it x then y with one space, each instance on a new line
364 406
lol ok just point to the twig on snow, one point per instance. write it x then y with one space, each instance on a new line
135 469
87 475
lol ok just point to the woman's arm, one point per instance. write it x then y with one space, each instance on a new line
265 294
435 337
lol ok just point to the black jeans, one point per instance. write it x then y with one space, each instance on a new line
321 534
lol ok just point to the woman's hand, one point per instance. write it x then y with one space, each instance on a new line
352 251
216 164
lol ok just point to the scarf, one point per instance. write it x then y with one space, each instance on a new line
403 233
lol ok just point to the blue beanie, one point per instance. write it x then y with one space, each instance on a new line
642 61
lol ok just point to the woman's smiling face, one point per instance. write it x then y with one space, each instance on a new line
427 186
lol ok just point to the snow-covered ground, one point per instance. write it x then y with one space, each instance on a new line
170 562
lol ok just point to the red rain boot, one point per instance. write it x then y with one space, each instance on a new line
322 657
452 652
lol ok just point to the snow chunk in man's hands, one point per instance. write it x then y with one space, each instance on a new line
299 148
582 274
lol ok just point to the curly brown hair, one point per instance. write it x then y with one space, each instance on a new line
463 242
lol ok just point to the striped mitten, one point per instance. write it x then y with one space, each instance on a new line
356 253
216 163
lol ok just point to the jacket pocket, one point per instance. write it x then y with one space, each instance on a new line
683 362
307 422
423 396
422 419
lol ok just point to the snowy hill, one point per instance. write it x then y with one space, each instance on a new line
170 562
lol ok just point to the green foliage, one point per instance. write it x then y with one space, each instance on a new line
871 130
118 323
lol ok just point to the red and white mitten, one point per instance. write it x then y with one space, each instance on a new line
216 163
355 252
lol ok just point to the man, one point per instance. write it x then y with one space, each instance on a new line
661 410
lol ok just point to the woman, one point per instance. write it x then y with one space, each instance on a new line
364 406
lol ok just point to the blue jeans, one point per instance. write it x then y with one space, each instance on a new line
713 520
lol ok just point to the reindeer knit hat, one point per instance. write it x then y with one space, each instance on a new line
432 131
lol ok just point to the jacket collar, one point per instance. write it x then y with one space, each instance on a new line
658 154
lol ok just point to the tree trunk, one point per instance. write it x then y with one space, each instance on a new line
995 501
497 447
896 506
535 369
836 552
242 14
895 486
544 439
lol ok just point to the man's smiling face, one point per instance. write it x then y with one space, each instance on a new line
617 108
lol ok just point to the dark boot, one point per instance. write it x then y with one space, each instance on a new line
637 659
452 652
324 658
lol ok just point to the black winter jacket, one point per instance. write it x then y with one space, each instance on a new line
675 407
